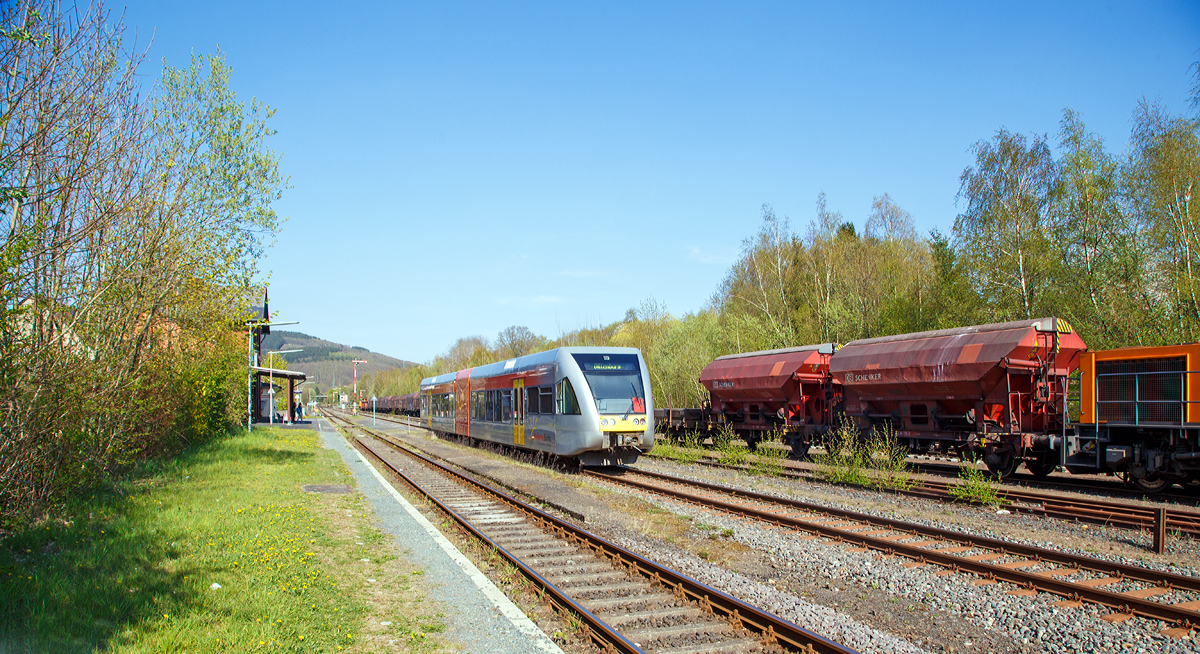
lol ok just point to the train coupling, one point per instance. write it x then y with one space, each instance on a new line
619 439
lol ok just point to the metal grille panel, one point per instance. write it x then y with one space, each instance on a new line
1141 391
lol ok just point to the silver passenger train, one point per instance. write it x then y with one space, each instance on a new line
591 403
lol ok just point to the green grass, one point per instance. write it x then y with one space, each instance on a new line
130 569
730 453
769 460
878 461
689 451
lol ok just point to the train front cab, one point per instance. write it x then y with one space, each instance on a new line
615 405
1139 416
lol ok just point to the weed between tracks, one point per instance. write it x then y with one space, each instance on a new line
975 485
132 569
875 462
689 451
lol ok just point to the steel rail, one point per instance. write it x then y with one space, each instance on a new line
595 629
773 628
1116 601
1098 512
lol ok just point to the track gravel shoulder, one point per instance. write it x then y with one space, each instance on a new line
1029 624
480 617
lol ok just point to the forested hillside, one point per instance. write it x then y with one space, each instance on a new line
327 363
1057 225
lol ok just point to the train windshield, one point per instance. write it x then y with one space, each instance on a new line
616 382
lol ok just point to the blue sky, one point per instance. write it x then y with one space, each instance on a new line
459 168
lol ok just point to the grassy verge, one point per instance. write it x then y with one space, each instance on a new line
136 568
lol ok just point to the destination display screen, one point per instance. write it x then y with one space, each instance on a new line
609 367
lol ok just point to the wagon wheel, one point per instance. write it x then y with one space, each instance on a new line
1042 465
800 448
1149 483
1002 464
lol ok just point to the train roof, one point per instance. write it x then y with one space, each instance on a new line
526 363
823 348
1041 324
964 354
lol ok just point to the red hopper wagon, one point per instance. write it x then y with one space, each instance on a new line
788 392
998 388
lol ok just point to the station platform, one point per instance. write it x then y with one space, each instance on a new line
479 617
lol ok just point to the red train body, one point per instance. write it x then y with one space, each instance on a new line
787 392
405 405
998 389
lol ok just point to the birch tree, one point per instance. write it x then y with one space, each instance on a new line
1002 235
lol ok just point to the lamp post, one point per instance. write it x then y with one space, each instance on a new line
271 367
302 385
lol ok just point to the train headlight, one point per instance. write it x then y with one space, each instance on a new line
604 422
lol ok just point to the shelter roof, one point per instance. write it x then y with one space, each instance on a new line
286 374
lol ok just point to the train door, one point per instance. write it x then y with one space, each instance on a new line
518 411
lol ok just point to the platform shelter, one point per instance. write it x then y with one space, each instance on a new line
260 390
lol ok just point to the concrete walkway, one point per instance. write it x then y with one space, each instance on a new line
479 617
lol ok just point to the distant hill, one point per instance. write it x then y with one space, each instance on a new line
326 362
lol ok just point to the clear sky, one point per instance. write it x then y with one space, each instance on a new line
459 168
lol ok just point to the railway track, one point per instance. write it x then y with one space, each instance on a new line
626 602
1019 500
1178 521
1126 590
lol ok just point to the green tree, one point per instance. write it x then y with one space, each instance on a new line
1101 280
1002 236
1160 179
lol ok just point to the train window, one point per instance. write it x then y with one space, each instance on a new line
530 397
546 399
489 404
568 404
615 381
505 406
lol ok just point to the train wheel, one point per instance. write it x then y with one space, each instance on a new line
800 448
1149 484
1042 466
1002 464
